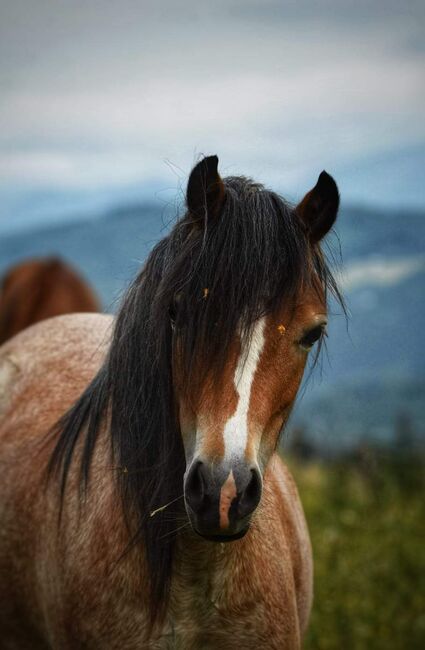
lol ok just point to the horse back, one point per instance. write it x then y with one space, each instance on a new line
38 289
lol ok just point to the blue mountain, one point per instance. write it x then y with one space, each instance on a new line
372 372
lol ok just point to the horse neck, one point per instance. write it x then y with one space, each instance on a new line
205 571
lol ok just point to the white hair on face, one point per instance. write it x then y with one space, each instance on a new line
235 433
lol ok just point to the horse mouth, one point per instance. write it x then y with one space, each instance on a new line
222 538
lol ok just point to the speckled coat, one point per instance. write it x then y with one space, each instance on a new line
64 589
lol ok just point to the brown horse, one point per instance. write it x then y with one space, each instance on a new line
176 524
38 289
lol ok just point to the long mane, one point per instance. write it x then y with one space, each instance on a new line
250 258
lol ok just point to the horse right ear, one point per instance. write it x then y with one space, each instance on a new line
205 191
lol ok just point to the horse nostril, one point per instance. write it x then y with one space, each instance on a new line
194 486
251 496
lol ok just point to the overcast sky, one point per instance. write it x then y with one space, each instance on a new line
99 93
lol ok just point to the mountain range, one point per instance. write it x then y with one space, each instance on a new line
372 373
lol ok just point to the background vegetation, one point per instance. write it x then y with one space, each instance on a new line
365 516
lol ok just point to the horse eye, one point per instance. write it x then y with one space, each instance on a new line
311 337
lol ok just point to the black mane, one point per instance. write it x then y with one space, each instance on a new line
250 258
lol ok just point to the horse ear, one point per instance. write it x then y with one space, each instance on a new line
205 190
319 207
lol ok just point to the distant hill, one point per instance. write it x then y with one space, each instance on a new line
375 371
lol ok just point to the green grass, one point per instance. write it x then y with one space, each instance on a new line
366 521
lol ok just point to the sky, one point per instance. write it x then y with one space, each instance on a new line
100 97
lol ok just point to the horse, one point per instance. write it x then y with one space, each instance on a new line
37 289
144 502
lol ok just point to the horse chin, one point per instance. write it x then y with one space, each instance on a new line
218 536
224 538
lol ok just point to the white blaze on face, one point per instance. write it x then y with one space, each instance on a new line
235 432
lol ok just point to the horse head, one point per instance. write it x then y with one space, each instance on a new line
243 355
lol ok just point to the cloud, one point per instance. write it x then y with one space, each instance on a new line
104 92
380 272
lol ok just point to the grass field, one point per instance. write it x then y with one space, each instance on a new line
366 521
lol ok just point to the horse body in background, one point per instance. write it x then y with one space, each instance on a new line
179 525
38 289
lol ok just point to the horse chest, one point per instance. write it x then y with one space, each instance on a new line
222 603
213 628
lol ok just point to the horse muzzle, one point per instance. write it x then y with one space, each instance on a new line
220 498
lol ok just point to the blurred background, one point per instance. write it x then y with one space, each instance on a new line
104 109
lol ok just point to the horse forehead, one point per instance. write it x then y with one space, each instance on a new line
256 365
245 357
253 375
261 364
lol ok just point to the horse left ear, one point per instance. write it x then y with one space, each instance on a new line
319 207
205 190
